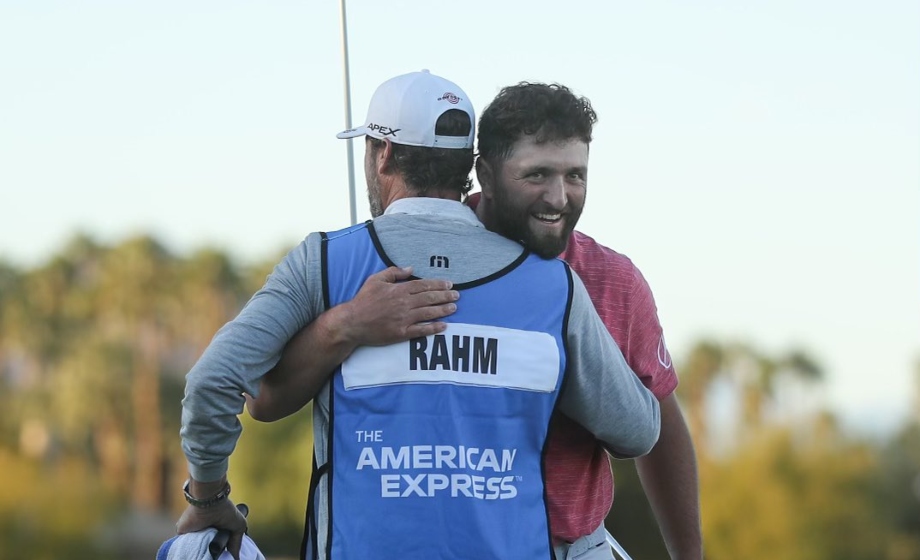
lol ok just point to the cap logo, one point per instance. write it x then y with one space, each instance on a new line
450 98
384 130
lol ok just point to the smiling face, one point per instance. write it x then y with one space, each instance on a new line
536 195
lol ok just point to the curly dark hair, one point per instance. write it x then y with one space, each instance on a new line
551 112
426 169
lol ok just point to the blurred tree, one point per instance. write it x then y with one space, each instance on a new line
773 499
271 469
895 493
757 377
90 406
10 353
701 368
50 510
133 277
829 474
49 311
210 291
631 520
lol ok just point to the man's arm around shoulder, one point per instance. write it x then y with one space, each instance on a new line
387 309
601 392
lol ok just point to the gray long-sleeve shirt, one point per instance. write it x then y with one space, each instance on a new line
601 392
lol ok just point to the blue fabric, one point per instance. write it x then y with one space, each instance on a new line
163 552
404 503
190 546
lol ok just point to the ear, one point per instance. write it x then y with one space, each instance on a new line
485 175
383 158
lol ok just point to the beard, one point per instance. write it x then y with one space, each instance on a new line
517 224
373 197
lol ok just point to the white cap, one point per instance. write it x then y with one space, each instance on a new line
406 108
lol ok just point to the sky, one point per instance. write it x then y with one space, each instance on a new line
758 161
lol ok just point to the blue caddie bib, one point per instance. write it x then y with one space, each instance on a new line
435 444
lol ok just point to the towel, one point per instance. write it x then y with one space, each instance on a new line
196 546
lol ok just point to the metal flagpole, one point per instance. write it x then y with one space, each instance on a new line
350 145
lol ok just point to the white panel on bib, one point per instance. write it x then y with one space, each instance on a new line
464 354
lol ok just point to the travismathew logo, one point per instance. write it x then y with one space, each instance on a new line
450 98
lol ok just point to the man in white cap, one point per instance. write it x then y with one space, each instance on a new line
431 447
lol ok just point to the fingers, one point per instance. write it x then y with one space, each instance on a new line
419 330
431 313
396 274
387 310
408 295
424 320
426 285
438 297
235 544
392 274
190 521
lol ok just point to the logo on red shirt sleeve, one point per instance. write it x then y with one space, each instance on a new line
664 357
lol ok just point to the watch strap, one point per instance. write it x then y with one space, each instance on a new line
207 502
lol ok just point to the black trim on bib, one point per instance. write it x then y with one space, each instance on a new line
565 329
309 526
565 376
326 468
324 263
495 275
457 286
379 247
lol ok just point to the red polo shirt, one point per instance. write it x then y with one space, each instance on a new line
579 482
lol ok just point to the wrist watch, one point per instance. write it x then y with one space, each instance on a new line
207 502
